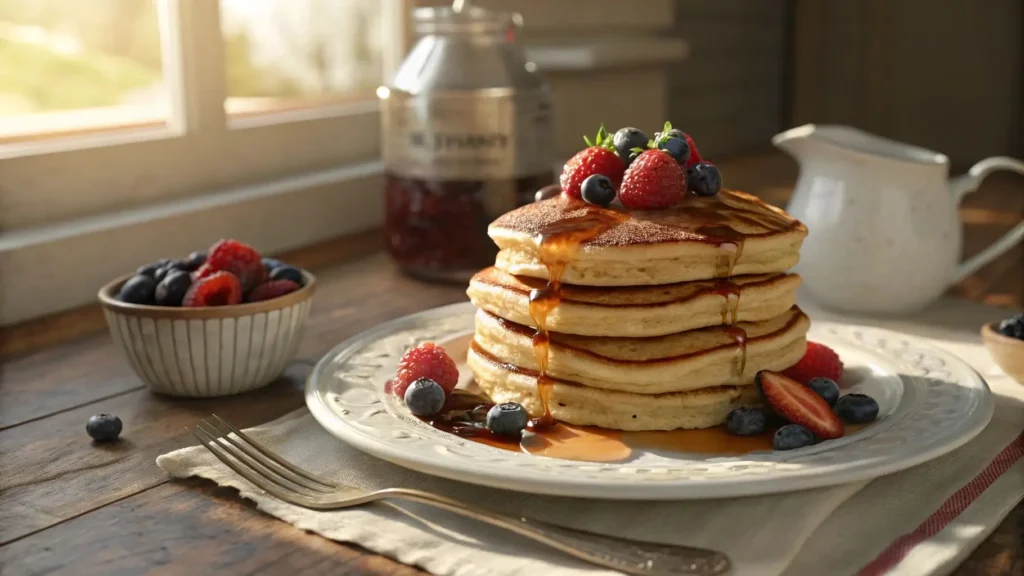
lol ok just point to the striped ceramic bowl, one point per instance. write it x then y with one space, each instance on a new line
204 352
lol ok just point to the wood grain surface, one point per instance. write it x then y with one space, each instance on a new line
68 506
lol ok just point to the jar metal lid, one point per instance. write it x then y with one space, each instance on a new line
464 20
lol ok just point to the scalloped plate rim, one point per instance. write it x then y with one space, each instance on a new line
627 488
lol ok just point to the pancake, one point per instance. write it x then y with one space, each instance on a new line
674 363
732 233
638 311
581 405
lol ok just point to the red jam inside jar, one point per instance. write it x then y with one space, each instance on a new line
437 229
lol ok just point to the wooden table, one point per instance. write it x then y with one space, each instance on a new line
70 507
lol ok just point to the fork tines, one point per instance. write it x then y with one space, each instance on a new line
259 465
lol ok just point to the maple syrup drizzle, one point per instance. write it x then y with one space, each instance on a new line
464 414
730 242
556 244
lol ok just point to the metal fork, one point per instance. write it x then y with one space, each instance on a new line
286 481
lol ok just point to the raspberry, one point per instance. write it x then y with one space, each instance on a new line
819 361
694 154
202 272
271 289
218 289
427 360
654 180
599 158
239 259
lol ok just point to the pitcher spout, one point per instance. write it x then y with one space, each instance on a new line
802 141
795 141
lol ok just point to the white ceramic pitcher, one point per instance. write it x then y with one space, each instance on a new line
884 230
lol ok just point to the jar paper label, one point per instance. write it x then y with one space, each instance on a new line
472 136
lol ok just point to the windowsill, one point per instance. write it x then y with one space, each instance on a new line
80 255
74 129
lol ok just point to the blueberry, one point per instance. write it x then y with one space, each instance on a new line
857 408
792 436
626 140
676 148
598 189
104 427
151 268
1013 326
171 290
195 260
174 265
138 290
704 179
424 397
508 419
271 263
826 388
286 273
673 133
746 421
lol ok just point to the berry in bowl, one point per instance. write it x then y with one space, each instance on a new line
1005 341
219 322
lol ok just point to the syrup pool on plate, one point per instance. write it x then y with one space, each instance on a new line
465 412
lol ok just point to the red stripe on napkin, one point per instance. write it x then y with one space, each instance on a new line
949 510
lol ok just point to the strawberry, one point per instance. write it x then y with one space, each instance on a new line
217 289
598 158
654 180
819 361
239 259
428 360
272 289
799 404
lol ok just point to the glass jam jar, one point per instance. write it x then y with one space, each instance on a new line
467 133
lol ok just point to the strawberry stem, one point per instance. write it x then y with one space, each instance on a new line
602 140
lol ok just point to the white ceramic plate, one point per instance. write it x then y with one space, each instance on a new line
930 403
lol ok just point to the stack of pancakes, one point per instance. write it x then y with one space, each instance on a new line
654 320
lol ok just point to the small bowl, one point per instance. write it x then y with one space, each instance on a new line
207 352
1007 352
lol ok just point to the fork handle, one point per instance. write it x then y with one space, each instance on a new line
629 556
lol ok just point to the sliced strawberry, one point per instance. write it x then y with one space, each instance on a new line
799 404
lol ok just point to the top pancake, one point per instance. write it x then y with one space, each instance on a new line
731 233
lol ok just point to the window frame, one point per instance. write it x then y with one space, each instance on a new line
200 149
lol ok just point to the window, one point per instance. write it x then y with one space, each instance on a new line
118 104
136 129
64 74
288 54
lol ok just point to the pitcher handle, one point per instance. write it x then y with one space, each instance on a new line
964 185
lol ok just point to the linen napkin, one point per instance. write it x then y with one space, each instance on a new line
921 521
